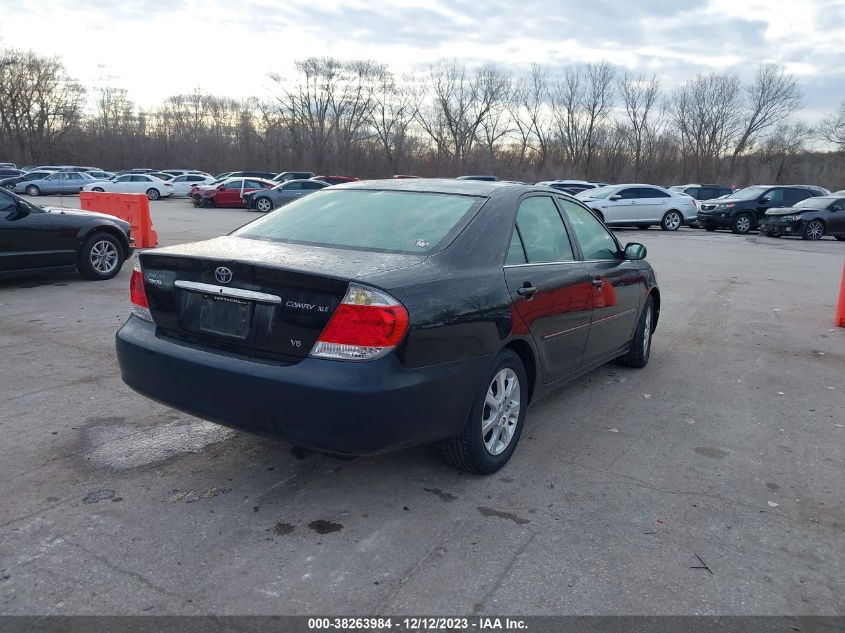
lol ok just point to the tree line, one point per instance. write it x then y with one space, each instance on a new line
591 121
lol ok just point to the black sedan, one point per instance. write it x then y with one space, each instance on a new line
9 182
377 315
812 219
34 239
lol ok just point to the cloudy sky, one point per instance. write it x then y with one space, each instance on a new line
156 48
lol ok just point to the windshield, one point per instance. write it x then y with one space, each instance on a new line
813 203
749 193
601 192
397 221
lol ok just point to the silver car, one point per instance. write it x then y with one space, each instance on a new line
269 199
641 206
60 182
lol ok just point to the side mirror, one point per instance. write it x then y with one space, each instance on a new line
836 207
635 251
221 187
19 212
615 196
763 200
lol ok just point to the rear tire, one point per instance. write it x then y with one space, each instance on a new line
32 190
640 349
101 257
672 221
742 224
813 230
153 193
207 202
493 429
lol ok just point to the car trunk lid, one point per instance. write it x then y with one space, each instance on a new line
252 297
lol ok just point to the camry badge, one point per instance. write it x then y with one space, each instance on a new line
223 275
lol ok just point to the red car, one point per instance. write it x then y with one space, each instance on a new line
335 180
228 193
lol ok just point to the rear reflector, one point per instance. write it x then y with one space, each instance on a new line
366 325
138 295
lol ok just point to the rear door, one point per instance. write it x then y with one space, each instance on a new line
550 288
617 285
653 204
834 217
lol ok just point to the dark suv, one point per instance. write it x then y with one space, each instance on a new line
703 192
743 210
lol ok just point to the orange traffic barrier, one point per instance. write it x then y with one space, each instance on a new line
839 319
132 207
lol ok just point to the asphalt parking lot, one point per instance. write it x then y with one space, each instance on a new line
710 482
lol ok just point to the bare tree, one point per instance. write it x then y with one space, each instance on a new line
640 96
530 114
39 103
772 97
394 109
782 148
832 128
704 112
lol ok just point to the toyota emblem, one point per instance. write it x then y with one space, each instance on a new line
223 275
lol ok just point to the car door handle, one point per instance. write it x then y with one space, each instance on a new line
598 283
528 291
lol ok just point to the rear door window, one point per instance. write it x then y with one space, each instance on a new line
393 221
795 195
543 232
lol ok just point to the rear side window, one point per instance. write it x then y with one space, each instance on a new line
796 195
397 221
543 232
516 254
596 242
651 192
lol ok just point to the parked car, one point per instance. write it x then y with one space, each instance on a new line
58 182
8 165
229 193
35 239
640 205
703 192
185 172
9 172
482 178
266 175
183 184
155 188
569 186
161 175
293 175
9 182
101 175
44 168
334 180
384 314
743 210
268 199
812 219
401 176
136 170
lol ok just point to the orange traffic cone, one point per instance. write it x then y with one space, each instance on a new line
839 319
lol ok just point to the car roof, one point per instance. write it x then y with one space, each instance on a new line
430 185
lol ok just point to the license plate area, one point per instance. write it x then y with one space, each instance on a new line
225 316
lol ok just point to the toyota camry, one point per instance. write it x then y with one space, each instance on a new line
377 315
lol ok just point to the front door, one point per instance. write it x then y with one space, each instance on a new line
624 210
617 285
550 288
29 241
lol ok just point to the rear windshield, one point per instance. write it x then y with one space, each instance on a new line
395 221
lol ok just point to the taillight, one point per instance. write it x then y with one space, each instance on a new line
366 325
138 295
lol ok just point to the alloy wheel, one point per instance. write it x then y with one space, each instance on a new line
264 204
814 230
500 413
672 221
104 257
647 332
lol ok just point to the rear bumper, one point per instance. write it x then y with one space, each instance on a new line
341 407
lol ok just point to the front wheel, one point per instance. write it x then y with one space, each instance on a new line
264 204
640 349
9 187
813 230
153 193
101 257
742 224
672 221
495 422
32 190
